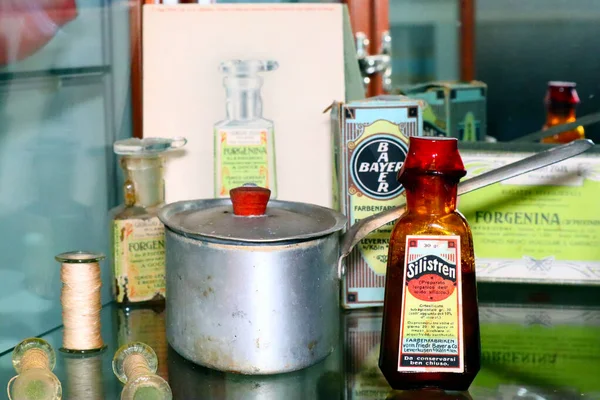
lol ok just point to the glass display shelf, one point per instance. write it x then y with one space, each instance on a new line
53 76
532 349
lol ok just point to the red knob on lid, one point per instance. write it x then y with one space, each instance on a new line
249 200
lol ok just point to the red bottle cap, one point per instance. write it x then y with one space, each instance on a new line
433 155
561 92
249 200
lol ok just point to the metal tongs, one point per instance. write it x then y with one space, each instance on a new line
361 229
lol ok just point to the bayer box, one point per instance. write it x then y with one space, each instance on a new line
370 144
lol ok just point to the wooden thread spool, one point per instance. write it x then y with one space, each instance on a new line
81 301
84 378
33 360
135 364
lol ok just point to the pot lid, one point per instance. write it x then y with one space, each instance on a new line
249 216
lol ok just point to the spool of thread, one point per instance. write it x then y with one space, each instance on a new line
135 364
84 378
33 360
81 302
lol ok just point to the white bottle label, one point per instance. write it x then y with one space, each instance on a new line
431 334
139 259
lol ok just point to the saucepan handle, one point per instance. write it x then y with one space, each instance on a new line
361 229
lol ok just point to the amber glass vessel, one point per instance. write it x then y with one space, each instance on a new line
561 100
430 334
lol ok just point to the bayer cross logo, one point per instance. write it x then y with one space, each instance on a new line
374 166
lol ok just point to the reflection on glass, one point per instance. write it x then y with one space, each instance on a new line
363 338
424 40
536 348
53 220
57 199
135 365
517 68
58 110
561 100
41 20
316 382
85 377
428 395
259 1
528 352
146 325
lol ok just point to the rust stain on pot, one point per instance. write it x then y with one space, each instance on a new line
207 292
312 345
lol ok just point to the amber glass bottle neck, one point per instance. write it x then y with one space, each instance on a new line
560 113
431 194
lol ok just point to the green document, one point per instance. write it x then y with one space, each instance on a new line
541 226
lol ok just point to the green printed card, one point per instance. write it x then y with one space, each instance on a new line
543 226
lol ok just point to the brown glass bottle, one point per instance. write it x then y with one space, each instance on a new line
561 100
430 272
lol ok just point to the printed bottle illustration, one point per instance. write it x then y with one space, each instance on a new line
138 236
430 334
244 141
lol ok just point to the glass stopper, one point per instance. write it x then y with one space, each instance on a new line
247 67
147 146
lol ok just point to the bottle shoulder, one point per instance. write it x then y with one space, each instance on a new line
258 123
123 212
453 223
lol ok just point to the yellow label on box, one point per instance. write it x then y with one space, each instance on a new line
139 259
431 324
375 160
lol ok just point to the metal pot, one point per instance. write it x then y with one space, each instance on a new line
250 291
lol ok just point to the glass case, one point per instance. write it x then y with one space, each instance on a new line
63 102
71 85
537 344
